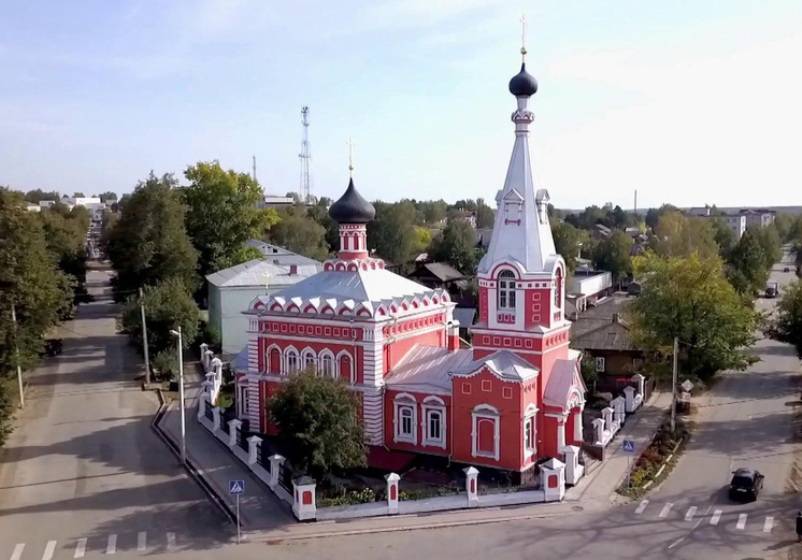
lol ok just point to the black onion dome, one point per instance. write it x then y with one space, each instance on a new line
523 84
351 208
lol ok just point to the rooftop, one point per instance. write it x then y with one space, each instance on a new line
259 272
426 368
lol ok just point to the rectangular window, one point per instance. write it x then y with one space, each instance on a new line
466 388
487 385
600 364
435 427
529 434
243 400
405 423
506 392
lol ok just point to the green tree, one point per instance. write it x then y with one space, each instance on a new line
484 214
108 197
300 234
65 233
568 240
149 242
30 280
222 213
747 270
769 239
653 215
168 305
676 235
788 324
37 195
457 246
318 423
690 298
392 232
613 254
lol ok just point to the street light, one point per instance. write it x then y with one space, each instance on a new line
181 394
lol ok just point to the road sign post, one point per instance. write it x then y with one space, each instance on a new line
629 447
236 487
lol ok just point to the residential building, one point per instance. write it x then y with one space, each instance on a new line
587 286
516 396
230 292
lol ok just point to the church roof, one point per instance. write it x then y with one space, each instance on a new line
259 273
372 292
503 363
351 208
564 379
523 83
426 368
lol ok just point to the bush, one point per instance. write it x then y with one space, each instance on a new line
165 365
348 497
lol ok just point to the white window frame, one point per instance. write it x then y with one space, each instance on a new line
404 402
308 358
351 369
506 289
242 398
530 429
485 412
332 369
290 368
600 364
434 405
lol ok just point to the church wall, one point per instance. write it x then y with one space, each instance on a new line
420 401
394 352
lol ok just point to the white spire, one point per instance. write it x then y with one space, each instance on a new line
521 232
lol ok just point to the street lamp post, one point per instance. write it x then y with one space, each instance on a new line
180 349
16 358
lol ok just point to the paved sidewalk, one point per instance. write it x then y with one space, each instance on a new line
259 508
597 490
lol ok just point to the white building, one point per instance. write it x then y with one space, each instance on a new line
232 289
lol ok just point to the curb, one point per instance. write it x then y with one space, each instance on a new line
194 472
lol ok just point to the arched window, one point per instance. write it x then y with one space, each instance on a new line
405 419
291 361
558 289
327 366
274 365
434 414
346 372
506 290
309 359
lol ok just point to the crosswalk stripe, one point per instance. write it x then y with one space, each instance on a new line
690 513
666 509
642 507
768 524
170 541
141 541
716 516
50 548
111 544
17 554
80 548
741 522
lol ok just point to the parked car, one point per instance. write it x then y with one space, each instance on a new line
745 485
787 269
772 290
53 346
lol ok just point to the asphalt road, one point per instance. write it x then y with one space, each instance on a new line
84 473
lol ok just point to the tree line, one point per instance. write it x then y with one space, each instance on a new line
42 275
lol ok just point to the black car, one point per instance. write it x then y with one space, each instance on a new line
745 485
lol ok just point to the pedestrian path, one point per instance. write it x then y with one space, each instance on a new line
143 542
712 515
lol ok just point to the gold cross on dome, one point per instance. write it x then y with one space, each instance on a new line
523 36
350 157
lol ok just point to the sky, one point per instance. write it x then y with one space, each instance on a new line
689 102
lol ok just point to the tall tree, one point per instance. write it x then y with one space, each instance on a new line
613 254
149 241
65 231
724 236
457 246
37 195
747 271
222 213
318 421
788 325
392 232
569 241
484 214
689 298
676 235
301 234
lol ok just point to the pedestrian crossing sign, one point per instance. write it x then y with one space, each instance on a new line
628 445
236 487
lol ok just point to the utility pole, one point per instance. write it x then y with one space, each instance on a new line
16 357
144 337
674 388
180 350
305 188
254 169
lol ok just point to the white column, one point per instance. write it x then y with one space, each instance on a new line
201 405
598 427
629 398
578 434
552 474
233 426
203 349
471 486
392 492
253 449
640 380
573 470
216 418
303 498
560 434
275 466
607 414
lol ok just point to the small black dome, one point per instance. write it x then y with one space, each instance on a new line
523 83
351 208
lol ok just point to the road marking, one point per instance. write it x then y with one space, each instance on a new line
716 517
690 513
80 548
17 551
641 507
768 524
111 544
50 548
666 509
142 541
170 541
741 522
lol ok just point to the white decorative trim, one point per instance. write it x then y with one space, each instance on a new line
436 405
405 402
485 412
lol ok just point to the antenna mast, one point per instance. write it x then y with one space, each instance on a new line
305 187
254 169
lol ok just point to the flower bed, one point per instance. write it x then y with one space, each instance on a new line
656 461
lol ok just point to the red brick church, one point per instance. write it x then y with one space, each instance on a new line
513 398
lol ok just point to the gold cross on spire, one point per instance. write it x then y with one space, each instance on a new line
523 37
350 157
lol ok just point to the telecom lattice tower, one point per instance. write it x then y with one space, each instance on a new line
305 157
